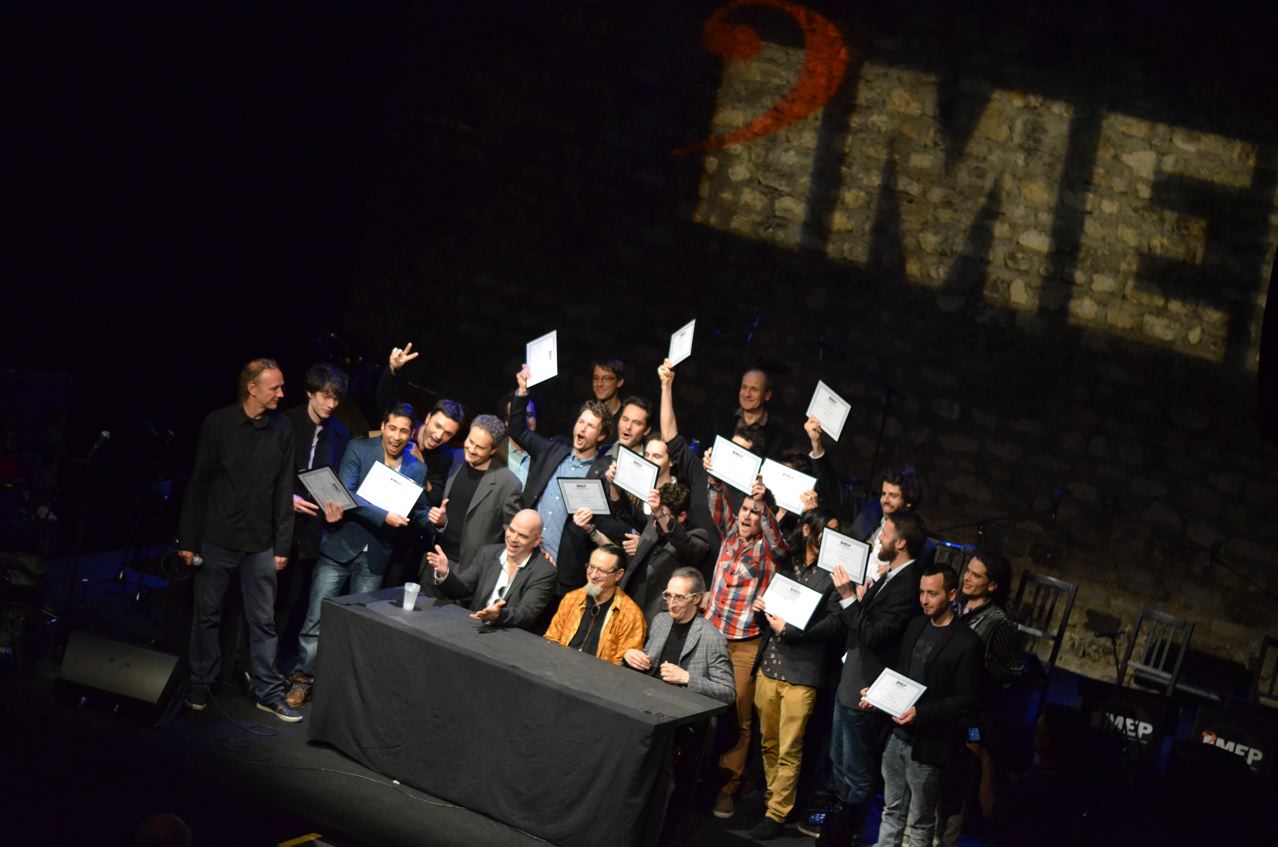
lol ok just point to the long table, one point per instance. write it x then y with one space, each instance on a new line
559 744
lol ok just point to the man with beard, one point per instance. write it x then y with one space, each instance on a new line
875 614
238 514
480 496
946 658
357 546
666 544
902 491
509 584
430 440
599 618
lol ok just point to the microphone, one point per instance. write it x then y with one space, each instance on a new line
103 438
197 560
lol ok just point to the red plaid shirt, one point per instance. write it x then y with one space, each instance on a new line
744 569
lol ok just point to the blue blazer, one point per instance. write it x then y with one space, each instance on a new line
365 525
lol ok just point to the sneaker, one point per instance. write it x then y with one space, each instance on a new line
723 806
197 699
300 690
766 830
281 710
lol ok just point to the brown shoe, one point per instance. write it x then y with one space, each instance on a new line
724 806
300 691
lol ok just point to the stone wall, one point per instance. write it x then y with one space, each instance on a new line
1033 245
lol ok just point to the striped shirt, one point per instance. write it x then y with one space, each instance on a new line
744 569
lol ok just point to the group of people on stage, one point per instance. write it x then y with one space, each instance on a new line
671 585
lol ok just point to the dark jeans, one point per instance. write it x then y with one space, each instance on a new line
257 584
854 751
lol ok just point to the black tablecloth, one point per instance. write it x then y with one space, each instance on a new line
559 744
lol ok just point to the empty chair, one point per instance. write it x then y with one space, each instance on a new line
1041 612
1264 682
1160 641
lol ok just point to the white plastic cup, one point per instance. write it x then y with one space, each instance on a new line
410 595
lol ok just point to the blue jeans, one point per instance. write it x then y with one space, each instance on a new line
911 792
854 752
328 581
257 584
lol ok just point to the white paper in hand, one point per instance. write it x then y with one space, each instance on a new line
791 601
787 485
681 342
894 693
542 356
389 491
734 464
830 409
840 549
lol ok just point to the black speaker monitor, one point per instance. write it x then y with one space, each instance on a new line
139 673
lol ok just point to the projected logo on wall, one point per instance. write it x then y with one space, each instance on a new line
986 194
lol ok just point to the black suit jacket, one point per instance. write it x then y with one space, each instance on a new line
875 628
952 676
657 557
803 652
527 596
328 453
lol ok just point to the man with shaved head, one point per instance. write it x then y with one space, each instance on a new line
509 583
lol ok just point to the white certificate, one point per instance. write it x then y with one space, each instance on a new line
792 602
786 484
324 486
830 409
542 356
583 493
389 491
681 342
840 549
635 474
893 693
734 464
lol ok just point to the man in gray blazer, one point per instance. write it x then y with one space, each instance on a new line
480 497
510 583
683 647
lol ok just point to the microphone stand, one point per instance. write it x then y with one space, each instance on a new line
66 617
981 523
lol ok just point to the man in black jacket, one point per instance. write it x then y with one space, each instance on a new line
875 614
946 658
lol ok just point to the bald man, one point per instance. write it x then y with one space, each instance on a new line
509 583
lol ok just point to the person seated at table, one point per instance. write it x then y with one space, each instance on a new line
599 618
683 647
509 584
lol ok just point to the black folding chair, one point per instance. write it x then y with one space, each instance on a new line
1162 640
1041 612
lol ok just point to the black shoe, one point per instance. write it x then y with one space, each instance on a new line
766 830
197 699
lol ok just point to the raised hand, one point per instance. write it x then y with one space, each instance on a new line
630 543
758 490
842 582
522 378
400 357
437 560
665 373
438 515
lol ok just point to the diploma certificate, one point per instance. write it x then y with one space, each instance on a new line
830 409
324 486
635 474
734 464
681 342
583 494
792 602
389 491
542 356
893 693
786 485
840 549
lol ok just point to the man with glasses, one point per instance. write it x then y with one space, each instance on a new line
509 584
599 618
607 376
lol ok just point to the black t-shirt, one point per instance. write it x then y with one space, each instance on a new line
465 484
586 638
674 646
929 638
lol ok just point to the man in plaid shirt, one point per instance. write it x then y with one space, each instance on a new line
752 546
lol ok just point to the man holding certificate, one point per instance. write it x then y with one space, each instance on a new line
944 660
752 546
357 548
792 666
875 613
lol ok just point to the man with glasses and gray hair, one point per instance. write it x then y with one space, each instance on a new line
599 618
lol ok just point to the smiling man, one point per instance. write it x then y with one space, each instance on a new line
238 515
480 496
600 618
753 397
357 545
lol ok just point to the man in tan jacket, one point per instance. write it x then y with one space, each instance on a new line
599 618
